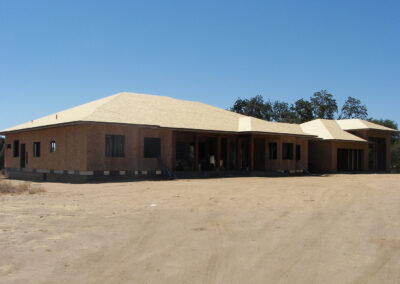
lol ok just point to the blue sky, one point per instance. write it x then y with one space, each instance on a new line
58 54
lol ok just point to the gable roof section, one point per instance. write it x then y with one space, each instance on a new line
359 124
328 130
159 111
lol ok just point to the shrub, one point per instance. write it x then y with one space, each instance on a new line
8 188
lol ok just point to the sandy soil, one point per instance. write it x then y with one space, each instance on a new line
336 229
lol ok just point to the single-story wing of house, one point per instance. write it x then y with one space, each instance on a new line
138 135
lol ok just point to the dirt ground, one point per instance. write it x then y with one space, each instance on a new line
335 229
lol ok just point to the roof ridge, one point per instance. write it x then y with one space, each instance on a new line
348 133
338 124
238 115
326 128
363 122
110 98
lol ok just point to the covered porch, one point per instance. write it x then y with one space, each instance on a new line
203 151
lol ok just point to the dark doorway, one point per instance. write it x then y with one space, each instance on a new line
259 154
22 156
232 155
350 160
245 155
207 153
224 154
184 156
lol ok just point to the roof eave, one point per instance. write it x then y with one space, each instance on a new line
80 122
278 133
384 130
344 140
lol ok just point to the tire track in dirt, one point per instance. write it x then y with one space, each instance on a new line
293 253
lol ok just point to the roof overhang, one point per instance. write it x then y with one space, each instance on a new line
154 127
278 133
340 140
80 122
372 129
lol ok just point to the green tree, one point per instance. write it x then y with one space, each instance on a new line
255 107
258 108
283 113
352 108
239 106
384 122
324 105
303 111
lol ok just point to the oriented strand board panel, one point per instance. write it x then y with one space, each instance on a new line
359 124
70 151
328 130
134 145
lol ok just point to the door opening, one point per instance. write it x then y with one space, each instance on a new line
22 156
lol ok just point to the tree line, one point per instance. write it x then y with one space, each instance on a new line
321 104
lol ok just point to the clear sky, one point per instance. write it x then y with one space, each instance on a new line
58 54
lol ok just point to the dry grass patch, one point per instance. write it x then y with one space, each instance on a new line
9 188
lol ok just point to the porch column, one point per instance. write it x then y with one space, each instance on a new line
251 153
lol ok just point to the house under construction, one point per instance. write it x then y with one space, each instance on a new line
137 135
